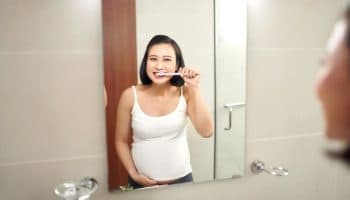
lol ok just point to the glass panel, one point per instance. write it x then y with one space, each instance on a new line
231 37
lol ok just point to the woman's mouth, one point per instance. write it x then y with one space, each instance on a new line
159 74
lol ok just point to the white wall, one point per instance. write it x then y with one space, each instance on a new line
52 114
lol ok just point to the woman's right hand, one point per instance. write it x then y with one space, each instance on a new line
143 180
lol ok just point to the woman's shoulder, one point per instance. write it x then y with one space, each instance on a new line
140 87
129 91
127 97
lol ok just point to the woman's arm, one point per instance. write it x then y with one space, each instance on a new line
123 129
197 108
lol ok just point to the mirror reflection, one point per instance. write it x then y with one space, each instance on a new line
171 112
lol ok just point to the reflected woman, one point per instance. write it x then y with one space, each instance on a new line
333 85
156 113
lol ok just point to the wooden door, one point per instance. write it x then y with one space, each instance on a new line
120 72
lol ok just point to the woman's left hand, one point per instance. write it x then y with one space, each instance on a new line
190 76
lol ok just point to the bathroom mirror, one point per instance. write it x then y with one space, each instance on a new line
212 37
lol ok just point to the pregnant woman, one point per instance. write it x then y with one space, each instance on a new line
155 112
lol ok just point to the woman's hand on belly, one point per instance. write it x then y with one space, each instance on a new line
165 182
143 180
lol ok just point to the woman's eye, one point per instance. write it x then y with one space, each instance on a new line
152 59
167 59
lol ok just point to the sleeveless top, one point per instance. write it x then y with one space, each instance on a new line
159 148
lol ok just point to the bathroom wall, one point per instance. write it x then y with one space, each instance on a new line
51 89
52 112
286 41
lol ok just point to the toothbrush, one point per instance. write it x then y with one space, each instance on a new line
168 74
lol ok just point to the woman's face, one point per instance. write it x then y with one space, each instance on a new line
161 58
333 85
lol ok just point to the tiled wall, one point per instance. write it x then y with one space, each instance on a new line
52 115
285 42
51 90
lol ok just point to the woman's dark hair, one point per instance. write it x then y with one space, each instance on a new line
162 39
347 19
345 153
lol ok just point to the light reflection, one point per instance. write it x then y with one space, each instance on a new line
231 12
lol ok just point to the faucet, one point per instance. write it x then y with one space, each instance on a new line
77 191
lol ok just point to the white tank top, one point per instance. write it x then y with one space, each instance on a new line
159 149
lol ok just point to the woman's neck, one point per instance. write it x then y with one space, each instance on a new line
160 90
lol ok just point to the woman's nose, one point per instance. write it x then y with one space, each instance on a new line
159 66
